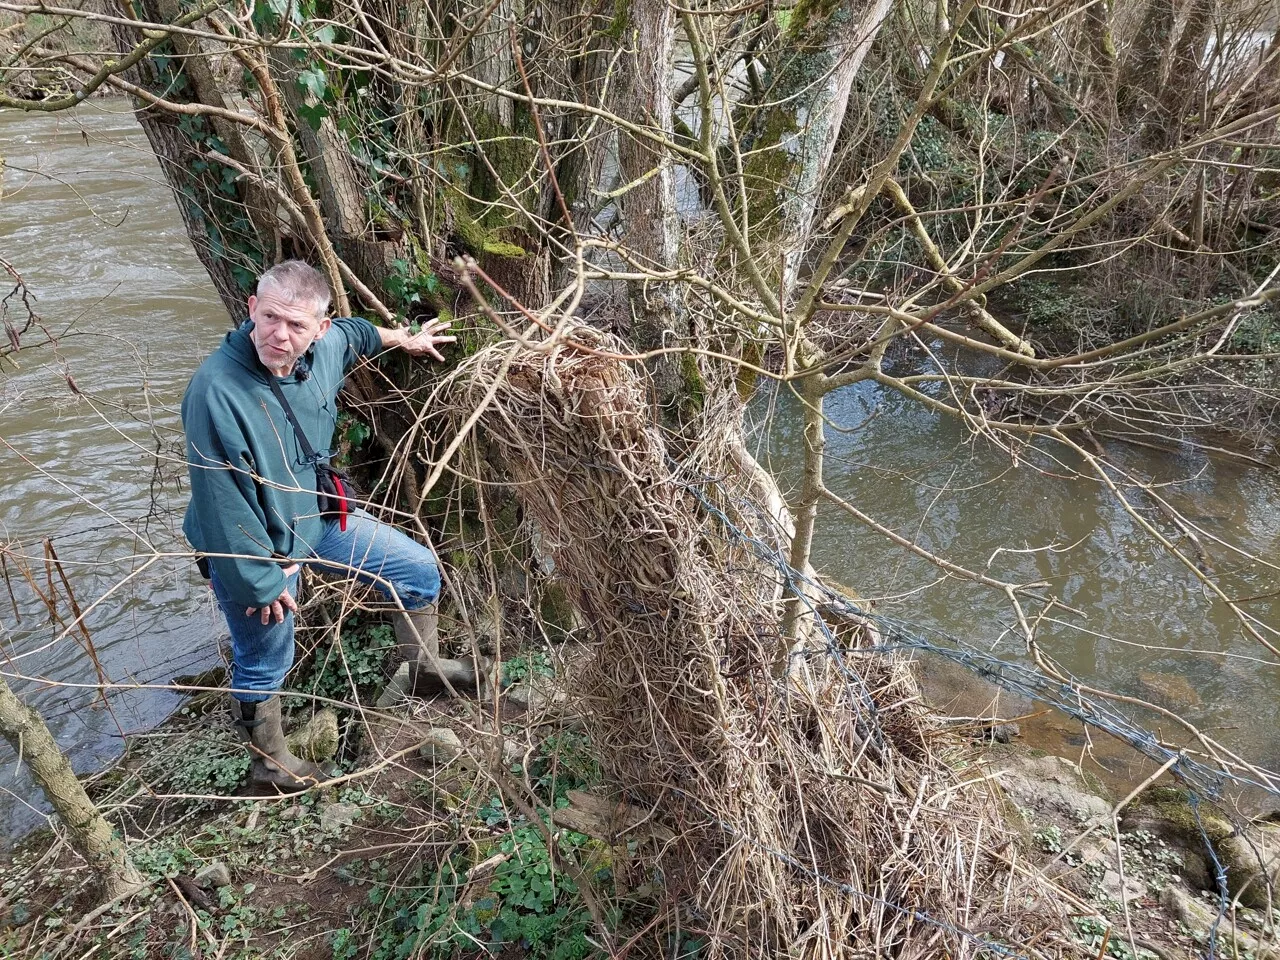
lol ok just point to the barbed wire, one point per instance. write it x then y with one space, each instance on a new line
1203 780
898 634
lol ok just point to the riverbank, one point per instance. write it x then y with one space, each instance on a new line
434 843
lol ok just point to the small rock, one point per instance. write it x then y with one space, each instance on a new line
1200 919
1250 853
214 876
512 752
292 813
1005 732
317 741
440 746
1127 892
1097 849
396 691
1053 787
521 694
335 816
1168 689
540 697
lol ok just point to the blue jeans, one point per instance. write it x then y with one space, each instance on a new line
374 553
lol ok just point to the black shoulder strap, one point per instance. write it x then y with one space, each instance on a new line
308 451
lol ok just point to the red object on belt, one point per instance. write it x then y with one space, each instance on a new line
342 503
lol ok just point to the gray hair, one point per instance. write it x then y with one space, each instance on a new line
297 281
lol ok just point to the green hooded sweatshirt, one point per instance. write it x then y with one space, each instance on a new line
253 493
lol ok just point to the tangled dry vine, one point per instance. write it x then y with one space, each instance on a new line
803 805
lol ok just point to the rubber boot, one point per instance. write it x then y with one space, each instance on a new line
418 641
273 764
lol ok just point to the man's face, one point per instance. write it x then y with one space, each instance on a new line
283 329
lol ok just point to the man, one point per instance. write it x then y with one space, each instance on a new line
255 517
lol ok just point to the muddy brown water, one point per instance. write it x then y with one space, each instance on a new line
90 223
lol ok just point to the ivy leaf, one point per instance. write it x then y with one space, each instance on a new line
313 82
286 9
357 433
313 114
326 34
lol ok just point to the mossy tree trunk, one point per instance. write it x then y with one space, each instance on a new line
88 831
1182 83
227 219
228 191
794 133
788 152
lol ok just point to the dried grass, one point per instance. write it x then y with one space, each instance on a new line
820 813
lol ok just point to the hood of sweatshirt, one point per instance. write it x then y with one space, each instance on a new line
240 346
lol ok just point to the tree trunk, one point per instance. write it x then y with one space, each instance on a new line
342 187
650 222
230 244
795 133
90 834
793 137
1101 86
1183 82
1144 65
806 511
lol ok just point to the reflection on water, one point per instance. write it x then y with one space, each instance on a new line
1134 620
88 221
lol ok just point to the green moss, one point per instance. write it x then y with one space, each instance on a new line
846 591
745 377
808 14
1095 784
597 855
683 132
1173 805
621 20
461 560
318 739
557 611
477 238
509 153
694 395
500 248
768 170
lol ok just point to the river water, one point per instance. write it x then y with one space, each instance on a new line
89 222
92 226
1136 622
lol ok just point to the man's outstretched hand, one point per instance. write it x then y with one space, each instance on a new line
277 607
425 342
